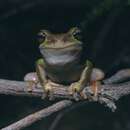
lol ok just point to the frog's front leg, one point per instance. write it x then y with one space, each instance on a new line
37 78
89 75
44 82
78 86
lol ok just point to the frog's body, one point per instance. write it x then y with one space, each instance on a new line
61 62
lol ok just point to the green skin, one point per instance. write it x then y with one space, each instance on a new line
60 62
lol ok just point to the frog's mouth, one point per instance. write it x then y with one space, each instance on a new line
61 55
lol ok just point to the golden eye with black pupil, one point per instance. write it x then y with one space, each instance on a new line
77 34
41 37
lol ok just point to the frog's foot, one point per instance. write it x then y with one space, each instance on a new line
76 91
48 90
32 81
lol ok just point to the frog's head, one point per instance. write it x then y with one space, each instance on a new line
60 47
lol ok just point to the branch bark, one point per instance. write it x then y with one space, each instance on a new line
19 88
27 121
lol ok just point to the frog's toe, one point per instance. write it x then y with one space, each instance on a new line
48 91
75 90
76 96
74 87
44 95
84 95
30 86
51 95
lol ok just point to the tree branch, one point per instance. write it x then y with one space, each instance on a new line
27 121
19 88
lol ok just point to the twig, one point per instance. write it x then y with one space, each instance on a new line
120 76
17 88
27 121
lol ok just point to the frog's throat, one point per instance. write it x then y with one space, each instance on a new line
62 56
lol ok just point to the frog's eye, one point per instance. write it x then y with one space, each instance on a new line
41 36
76 33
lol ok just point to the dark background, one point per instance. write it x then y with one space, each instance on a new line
105 28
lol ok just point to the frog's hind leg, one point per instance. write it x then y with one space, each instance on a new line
32 81
95 80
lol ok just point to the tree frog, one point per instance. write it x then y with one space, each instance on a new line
61 64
